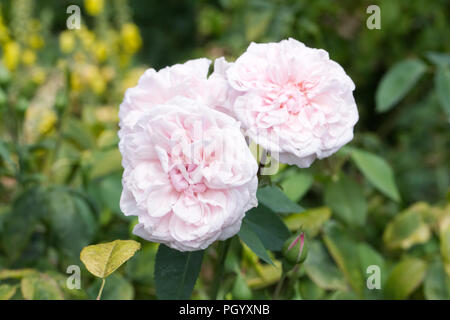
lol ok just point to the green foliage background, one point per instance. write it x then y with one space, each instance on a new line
382 200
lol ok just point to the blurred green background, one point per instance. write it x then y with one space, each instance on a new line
60 171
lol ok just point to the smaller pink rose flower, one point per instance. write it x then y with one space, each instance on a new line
292 100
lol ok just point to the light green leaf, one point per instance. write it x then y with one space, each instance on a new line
176 272
310 220
7 291
407 229
377 171
439 59
103 259
296 185
16 274
321 268
405 278
105 162
40 287
397 82
251 239
437 284
270 229
344 251
276 200
347 201
368 256
442 85
78 133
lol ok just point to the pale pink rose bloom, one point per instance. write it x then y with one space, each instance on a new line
293 100
189 175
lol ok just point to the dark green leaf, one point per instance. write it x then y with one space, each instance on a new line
72 222
251 239
268 226
20 223
277 201
176 272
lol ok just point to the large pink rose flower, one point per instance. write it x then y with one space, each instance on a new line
293 100
189 175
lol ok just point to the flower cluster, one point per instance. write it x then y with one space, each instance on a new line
189 175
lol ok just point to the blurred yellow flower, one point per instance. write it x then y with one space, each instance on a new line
100 51
75 82
93 7
66 41
131 38
36 41
48 121
4 33
11 54
28 57
38 76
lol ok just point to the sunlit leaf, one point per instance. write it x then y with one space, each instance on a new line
40 287
103 259
7 291
406 276
310 220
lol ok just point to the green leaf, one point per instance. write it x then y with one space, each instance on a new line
142 266
110 190
442 85
346 200
176 272
437 284
344 251
40 287
405 278
7 291
296 185
310 220
116 288
377 171
407 229
72 222
270 229
251 239
21 222
368 256
105 162
439 59
103 259
397 82
78 133
276 200
321 268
